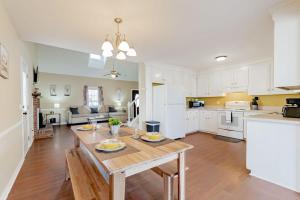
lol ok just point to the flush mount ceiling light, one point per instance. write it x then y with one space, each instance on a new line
118 46
220 58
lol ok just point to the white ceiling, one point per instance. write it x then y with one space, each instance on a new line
62 61
181 32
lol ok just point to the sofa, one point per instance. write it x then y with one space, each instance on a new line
84 112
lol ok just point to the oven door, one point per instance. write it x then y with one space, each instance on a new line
236 123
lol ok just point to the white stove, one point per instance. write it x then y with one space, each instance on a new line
237 105
231 119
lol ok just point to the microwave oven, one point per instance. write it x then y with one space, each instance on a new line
196 104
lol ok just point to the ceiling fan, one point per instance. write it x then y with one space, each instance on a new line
113 73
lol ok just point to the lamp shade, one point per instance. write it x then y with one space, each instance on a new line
107 46
121 55
123 46
131 52
107 54
56 105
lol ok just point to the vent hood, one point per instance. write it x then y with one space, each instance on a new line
286 17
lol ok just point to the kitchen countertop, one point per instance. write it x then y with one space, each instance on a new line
220 108
278 118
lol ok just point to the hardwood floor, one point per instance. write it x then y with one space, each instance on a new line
217 172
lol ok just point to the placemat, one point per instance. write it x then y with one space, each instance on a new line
156 144
110 155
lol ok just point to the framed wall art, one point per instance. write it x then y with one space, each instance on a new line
53 90
3 62
67 91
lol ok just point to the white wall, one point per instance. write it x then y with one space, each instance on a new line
77 83
11 139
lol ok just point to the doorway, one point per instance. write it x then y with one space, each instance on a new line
25 99
134 96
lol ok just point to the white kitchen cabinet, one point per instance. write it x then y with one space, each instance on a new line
174 77
208 121
157 75
215 84
287 46
261 80
202 85
235 79
210 84
190 84
192 121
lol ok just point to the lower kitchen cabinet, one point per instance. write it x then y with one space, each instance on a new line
192 121
208 121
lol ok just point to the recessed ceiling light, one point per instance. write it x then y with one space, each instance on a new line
221 58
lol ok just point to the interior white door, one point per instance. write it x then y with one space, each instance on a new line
25 96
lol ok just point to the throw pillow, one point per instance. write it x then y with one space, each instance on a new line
74 110
94 110
102 109
84 109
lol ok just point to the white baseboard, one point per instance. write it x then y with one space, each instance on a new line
275 183
13 178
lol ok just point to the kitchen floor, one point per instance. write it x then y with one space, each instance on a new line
217 171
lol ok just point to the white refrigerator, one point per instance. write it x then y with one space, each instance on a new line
169 109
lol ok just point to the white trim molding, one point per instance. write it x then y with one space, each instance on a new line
8 130
14 175
12 180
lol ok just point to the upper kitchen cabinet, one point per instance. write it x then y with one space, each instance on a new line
235 79
260 79
286 18
158 75
215 88
209 84
190 84
202 85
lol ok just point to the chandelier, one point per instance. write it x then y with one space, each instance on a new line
118 46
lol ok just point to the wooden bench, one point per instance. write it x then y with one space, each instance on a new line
87 181
169 172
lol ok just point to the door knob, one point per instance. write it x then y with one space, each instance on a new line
24 113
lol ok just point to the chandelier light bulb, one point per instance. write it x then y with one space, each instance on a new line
124 46
113 76
106 53
121 56
131 52
107 46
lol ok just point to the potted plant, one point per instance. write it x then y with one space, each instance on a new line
254 103
114 125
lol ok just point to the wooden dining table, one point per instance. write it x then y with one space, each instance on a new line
138 156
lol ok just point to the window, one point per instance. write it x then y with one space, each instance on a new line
95 61
93 97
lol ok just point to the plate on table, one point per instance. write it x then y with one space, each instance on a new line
85 128
153 137
110 145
